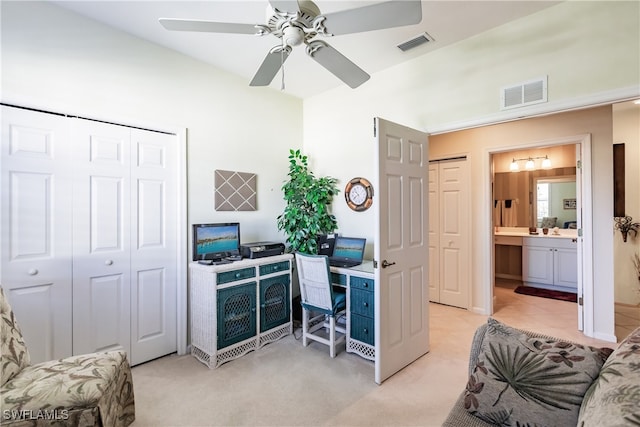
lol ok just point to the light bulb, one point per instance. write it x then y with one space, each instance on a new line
529 165
513 167
546 163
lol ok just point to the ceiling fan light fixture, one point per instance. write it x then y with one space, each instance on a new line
292 36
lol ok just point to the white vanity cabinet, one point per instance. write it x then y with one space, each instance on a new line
550 262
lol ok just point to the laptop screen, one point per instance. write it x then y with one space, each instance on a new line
351 248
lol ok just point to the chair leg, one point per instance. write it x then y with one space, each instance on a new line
305 326
332 336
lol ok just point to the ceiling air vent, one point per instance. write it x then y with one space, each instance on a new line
527 93
415 42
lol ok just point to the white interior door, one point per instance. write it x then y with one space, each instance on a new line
35 182
453 239
154 249
402 248
583 185
101 237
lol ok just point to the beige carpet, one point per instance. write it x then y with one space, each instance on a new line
286 384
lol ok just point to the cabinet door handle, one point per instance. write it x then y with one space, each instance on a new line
108 262
33 272
365 284
366 304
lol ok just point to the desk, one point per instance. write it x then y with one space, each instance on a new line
360 285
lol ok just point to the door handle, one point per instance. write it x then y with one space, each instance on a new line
386 264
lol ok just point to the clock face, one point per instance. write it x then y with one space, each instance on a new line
359 194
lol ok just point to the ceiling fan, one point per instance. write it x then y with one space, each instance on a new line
300 21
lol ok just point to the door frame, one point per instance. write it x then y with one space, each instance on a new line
585 251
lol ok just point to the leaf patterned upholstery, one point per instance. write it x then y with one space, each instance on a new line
86 390
15 355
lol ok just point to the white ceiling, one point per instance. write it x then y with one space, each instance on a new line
446 21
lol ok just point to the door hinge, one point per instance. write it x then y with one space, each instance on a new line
579 164
375 130
579 232
375 264
580 301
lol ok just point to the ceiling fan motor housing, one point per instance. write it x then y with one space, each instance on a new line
293 27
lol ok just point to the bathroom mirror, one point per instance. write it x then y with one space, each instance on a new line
554 197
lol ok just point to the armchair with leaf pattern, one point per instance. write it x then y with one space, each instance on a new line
86 390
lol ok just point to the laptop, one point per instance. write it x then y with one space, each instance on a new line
347 251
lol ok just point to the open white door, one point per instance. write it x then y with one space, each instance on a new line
402 248
580 202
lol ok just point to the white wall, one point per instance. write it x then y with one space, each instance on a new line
56 60
626 130
574 43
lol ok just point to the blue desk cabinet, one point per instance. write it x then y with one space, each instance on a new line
361 309
239 307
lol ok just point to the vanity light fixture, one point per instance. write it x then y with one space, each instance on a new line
530 163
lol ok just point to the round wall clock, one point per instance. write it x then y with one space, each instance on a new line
359 194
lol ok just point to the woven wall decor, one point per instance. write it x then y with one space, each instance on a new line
235 191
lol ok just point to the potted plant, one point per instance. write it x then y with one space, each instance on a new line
626 225
307 212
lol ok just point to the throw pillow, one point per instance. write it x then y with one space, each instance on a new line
613 399
523 380
548 222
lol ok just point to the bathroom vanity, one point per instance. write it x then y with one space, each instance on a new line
547 261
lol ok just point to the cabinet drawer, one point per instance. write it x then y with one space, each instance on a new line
362 329
362 302
274 268
551 242
508 240
233 275
362 283
339 279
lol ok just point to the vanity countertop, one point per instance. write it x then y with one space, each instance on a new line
563 233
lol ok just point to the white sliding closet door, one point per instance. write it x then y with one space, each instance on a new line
101 237
89 226
125 244
154 245
449 227
35 254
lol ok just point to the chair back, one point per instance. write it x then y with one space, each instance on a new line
315 281
14 356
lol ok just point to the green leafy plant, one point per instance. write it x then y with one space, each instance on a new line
307 212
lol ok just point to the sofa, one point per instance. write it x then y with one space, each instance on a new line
87 390
522 378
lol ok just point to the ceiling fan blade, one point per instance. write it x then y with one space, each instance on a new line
379 16
270 66
289 6
208 26
338 64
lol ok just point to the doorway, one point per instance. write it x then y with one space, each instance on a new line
517 190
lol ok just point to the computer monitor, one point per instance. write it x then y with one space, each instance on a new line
216 241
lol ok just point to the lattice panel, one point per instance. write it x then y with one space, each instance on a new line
237 316
364 350
235 191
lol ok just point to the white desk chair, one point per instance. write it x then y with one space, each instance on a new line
316 293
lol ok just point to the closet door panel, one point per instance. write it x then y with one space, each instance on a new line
101 244
35 253
154 245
